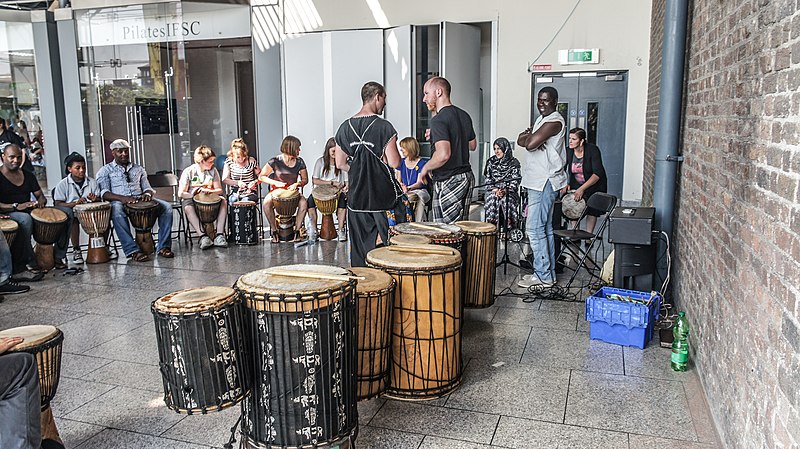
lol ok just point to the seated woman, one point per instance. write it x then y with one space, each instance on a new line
502 173
241 173
203 177
285 171
408 176
586 172
326 172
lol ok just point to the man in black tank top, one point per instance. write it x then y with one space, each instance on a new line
452 138
366 148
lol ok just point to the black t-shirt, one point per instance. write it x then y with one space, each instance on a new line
454 125
11 193
284 173
373 187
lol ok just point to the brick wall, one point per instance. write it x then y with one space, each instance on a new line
651 113
737 230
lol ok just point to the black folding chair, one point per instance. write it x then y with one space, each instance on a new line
166 186
572 239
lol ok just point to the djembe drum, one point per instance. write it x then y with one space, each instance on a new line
207 206
95 219
285 202
409 240
479 273
374 296
439 234
302 340
570 208
427 319
44 342
201 349
48 224
326 197
9 228
143 216
244 226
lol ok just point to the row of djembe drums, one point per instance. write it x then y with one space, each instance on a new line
299 345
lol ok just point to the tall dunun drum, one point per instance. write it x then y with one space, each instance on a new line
375 295
207 206
479 265
201 349
143 216
244 224
9 228
95 219
285 202
302 335
48 224
44 342
326 197
427 320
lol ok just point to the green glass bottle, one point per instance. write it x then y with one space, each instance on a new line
680 343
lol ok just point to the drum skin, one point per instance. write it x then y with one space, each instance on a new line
9 228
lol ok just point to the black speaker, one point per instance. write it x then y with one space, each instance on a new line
631 225
634 266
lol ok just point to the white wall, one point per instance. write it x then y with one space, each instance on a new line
620 28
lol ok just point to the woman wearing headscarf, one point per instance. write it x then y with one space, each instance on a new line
502 176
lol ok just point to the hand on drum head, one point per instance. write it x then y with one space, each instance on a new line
91 197
147 196
578 194
7 343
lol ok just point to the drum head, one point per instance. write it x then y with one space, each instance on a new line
244 204
194 299
265 282
33 335
389 258
142 205
570 208
430 230
285 194
325 192
49 215
207 198
476 227
376 280
409 240
100 205
8 225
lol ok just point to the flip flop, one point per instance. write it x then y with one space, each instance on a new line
167 253
139 257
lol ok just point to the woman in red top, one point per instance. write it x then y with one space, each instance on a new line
285 171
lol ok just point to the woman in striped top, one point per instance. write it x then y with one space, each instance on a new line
241 173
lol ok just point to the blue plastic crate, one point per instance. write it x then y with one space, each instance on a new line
620 322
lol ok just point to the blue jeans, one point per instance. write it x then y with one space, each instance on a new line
22 251
5 260
539 227
123 228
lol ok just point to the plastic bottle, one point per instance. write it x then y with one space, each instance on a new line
680 343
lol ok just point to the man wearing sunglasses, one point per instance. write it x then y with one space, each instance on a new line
122 182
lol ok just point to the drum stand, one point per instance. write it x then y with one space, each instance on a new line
232 439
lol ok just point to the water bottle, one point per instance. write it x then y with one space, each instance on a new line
680 343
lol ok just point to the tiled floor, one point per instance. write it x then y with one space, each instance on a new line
533 379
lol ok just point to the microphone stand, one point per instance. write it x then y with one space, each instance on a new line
505 260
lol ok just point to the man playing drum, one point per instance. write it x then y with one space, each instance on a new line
366 148
16 188
122 182
203 177
75 188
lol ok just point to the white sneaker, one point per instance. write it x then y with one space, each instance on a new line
220 241
342 235
77 256
529 280
205 242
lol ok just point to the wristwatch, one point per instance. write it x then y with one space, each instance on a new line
14 206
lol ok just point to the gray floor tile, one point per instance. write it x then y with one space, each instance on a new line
513 302
120 439
75 432
368 409
37 315
480 314
437 421
523 434
523 391
646 442
536 318
493 342
88 331
138 345
629 404
73 393
127 374
652 361
431 442
571 349
377 438
128 409
578 307
213 429
583 325
78 366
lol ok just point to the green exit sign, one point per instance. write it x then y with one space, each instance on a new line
579 56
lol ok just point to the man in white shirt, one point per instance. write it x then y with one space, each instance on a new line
543 176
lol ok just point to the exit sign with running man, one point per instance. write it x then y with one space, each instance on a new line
579 56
